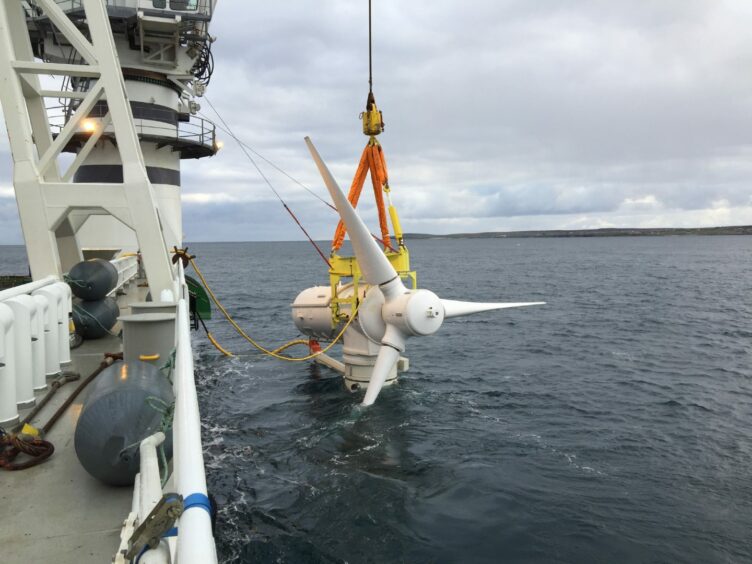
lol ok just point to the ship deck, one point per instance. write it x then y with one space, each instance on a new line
57 512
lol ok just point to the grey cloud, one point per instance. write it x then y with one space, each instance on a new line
500 114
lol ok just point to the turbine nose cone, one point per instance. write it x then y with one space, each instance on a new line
424 313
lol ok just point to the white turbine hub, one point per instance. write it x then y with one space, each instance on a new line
416 312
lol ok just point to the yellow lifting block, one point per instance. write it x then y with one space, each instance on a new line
373 120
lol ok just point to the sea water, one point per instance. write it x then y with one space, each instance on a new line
611 425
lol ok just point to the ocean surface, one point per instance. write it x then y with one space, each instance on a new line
611 425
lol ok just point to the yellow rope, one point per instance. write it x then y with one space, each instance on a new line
272 353
217 346
291 344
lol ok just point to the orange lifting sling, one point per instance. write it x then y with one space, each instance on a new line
372 160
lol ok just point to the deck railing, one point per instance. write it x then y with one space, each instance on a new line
34 341
127 269
203 7
196 133
195 539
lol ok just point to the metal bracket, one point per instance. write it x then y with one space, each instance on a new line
161 519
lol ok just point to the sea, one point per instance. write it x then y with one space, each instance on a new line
610 425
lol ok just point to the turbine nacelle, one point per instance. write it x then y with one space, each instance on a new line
413 312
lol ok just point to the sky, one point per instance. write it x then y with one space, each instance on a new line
500 115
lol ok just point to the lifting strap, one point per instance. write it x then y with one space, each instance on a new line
372 160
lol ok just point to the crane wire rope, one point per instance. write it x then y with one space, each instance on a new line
370 52
282 171
270 163
271 186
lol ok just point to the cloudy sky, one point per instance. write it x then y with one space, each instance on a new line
500 114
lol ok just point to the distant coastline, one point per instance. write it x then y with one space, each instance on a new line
607 232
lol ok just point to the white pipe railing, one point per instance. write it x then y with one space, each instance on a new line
195 538
52 322
149 493
63 322
127 269
34 341
8 408
26 288
24 313
39 344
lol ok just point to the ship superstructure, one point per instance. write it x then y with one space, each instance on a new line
122 101
99 99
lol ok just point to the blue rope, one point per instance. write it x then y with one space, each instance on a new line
140 554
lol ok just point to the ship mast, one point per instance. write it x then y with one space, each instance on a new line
128 78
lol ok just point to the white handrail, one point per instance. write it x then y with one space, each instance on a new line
33 341
8 408
195 538
127 269
150 492
26 288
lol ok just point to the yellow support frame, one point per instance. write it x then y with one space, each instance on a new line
348 267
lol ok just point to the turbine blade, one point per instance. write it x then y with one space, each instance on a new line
373 263
453 308
388 357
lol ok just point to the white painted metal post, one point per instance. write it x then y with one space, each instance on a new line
37 306
22 307
63 324
51 341
38 343
8 408
136 500
150 490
